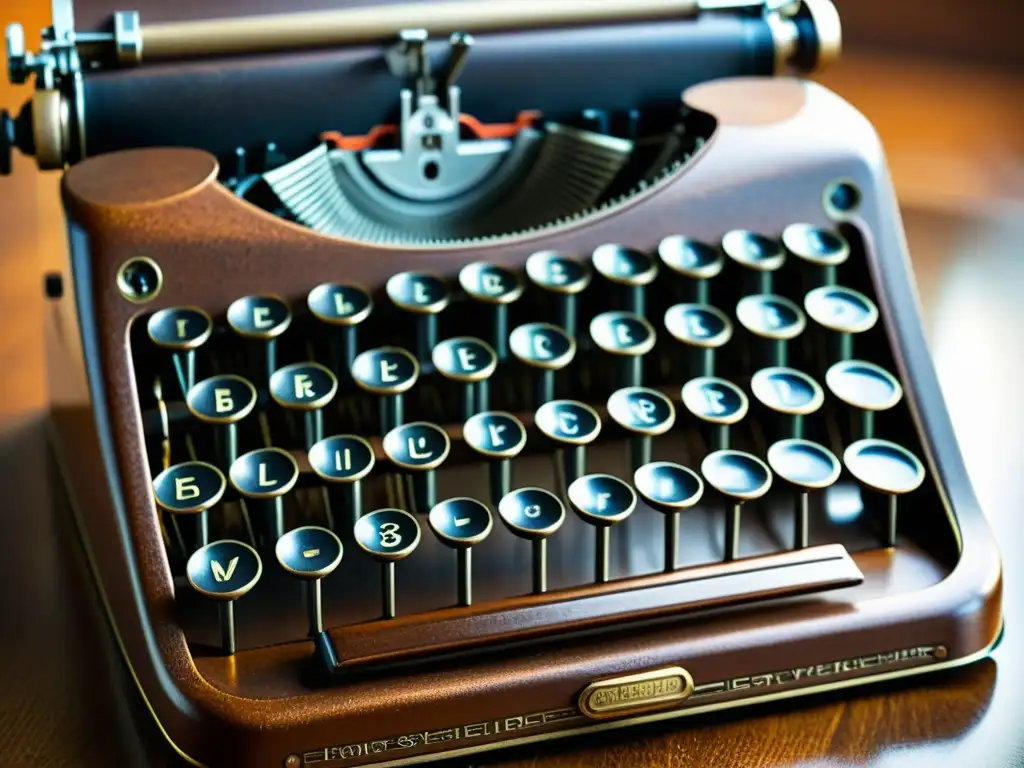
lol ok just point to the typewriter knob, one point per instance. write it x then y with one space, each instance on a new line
695 262
738 477
544 347
760 257
562 276
343 306
574 426
224 571
461 523
388 372
419 447
533 514
887 468
703 330
601 501
645 413
718 403
426 297
264 476
627 336
632 269
499 437
223 400
471 362
865 387
387 535
495 286
311 553
263 318
181 330
821 250
789 393
191 488
843 312
344 460
305 387
669 488
806 466
773 321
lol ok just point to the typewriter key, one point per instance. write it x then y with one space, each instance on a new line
461 523
775 319
421 448
499 437
645 413
788 392
224 571
344 460
305 387
263 318
310 553
543 346
739 477
573 426
844 312
866 387
191 488
182 330
717 402
388 372
266 474
703 329
807 466
601 501
534 514
344 306
387 535
627 336
425 296
669 488
563 276
471 362
223 400
696 262
821 249
759 255
630 268
496 286
888 468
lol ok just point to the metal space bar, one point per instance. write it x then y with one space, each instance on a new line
530 617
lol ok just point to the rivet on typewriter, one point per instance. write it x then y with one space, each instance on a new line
420 448
388 372
703 330
601 501
632 269
773 321
470 362
182 330
806 466
866 388
266 475
887 468
739 477
191 488
224 401
140 280
311 553
533 514
387 535
644 413
426 297
305 387
821 250
627 336
545 347
224 571
343 306
564 277
844 312
262 318
718 403
499 437
696 263
498 287
669 488
572 426
344 460
460 524
759 256
788 393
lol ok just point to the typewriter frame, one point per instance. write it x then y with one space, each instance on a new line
125 204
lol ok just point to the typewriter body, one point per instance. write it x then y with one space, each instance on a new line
437 377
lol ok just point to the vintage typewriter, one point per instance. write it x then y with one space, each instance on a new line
436 377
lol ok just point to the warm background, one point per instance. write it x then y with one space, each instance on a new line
943 81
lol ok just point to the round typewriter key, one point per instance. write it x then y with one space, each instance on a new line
499 437
888 468
775 319
808 467
601 501
223 400
423 295
628 267
739 477
190 488
266 473
563 276
573 425
345 306
628 336
866 387
471 362
182 330
703 329
419 447
496 286
759 255
311 553
263 318
669 488
717 402
387 535
224 571
822 249
305 387
696 262
344 460
645 413
534 514
388 372
461 523
543 346
788 392
843 311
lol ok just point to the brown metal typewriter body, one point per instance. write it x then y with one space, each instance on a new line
822 532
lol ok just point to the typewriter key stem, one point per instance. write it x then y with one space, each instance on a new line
314 606
568 313
841 347
349 347
602 546
424 488
800 534
890 527
500 337
797 429
185 370
780 353
547 386
632 371
392 412
464 563
387 571
540 566
640 448
638 300
575 463
203 523
231 442
227 627
271 357
354 499
720 437
483 396
313 427
867 424
469 407
732 531
501 479
426 336
671 541
278 517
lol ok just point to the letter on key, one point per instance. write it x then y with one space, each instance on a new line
387 535
775 321
191 488
423 295
717 402
693 261
266 473
496 286
669 488
310 553
563 276
345 306
461 523
703 329
789 392
499 437
645 413
388 372
571 424
263 318
419 447
601 501
181 330
628 267
760 255
546 347
627 336
844 312
470 362
823 249
305 387
344 460
224 400
534 514
224 571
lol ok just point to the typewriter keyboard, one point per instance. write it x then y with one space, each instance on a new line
447 447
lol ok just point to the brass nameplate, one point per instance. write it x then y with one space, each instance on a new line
632 694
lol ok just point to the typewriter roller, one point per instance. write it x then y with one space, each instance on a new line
471 374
